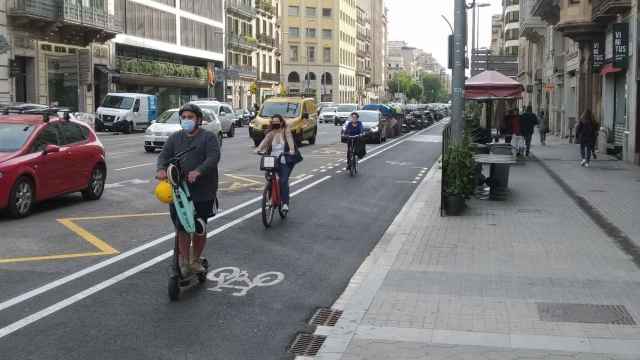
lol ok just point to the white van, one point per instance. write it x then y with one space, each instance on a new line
126 112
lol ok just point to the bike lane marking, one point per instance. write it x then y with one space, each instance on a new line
17 325
93 268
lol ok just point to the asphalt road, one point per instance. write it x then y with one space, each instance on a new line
87 280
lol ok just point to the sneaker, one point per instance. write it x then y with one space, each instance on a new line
583 162
197 267
586 165
285 208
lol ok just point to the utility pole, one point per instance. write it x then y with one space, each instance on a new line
457 108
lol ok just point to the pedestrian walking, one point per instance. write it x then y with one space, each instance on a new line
506 128
596 128
528 122
542 128
585 135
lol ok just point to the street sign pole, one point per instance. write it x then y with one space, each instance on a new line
457 111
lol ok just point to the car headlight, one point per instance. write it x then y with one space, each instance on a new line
374 129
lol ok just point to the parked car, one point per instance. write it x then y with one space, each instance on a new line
44 156
299 113
323 105
242 117
388 113
126 112
212 123
328 115
374 124
224 113
343 112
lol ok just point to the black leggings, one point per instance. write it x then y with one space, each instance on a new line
585 151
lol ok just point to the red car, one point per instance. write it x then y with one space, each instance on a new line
43 156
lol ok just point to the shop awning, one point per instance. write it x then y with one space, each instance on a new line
609 69
492 85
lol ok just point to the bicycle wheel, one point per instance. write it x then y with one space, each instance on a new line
267 206
354 164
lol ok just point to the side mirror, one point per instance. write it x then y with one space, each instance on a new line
51 149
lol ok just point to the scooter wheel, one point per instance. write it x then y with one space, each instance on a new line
174 288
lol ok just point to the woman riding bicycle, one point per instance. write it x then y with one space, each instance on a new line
279 143
353 128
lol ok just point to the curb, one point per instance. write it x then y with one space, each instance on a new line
367 280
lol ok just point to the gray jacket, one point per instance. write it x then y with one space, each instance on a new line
204 158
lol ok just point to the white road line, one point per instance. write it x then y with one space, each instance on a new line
123 152
88 270
134 166
7 330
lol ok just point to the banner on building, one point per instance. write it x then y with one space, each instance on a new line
620 45
598 55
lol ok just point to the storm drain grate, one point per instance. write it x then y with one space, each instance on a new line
325 317
585 313
306 344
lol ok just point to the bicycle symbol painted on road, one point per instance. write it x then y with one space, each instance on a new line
233 278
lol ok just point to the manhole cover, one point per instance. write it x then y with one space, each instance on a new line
325 317
306 344
585 313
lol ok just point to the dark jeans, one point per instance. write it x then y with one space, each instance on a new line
585 151
284 170
527 141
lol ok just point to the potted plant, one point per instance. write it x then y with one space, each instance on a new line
458 175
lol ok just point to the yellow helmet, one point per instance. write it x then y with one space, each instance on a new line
163 192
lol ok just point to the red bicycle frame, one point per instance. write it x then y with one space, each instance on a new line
275 189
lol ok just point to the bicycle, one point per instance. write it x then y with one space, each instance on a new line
352 158
271 199
186 214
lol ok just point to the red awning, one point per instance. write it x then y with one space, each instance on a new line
609 69
492 85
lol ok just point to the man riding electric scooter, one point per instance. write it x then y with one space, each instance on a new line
199 156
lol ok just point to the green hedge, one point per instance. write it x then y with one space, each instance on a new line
159 68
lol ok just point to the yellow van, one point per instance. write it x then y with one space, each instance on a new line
299 113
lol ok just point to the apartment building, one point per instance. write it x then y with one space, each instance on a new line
511 30
363 66
54 52
497 34
319 48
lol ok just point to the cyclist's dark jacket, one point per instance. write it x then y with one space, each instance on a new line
351 130
204 159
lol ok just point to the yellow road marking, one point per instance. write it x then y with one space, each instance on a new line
51 257
103 217
89 237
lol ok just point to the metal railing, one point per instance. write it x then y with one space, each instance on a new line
265 39
244 70
88 16
265 6
37 8
242 41
241 7
275 77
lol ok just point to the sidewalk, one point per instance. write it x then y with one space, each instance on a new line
508 280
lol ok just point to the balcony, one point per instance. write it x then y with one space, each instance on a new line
532 28
266 40
607 10
241 8
241 42
273 77
243 70
265 7
65 21
547 10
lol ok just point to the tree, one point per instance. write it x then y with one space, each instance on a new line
400 83
415 91
432 89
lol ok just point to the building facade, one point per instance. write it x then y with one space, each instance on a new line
319 48
511 27
497 34
378 17
363 66
54 52
268 34
168 49
241 72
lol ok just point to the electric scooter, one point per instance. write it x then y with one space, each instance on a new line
179 281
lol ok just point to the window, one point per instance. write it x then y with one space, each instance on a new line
136 106
326 12
293 53
311 54
310 12
326 55
311 33
294 32
72 133
327 34
49 136
294 11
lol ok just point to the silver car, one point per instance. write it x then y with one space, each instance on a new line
224 113
168 123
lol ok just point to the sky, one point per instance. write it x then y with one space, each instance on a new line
420 24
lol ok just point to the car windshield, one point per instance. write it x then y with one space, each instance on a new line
169 117
286 109
347 108
213 108
366 117
328 109
13 136
117 102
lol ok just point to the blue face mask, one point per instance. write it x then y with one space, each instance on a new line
188 125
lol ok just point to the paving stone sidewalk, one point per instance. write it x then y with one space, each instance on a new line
504 281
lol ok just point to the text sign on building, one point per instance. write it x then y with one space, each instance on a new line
620 45
598 55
